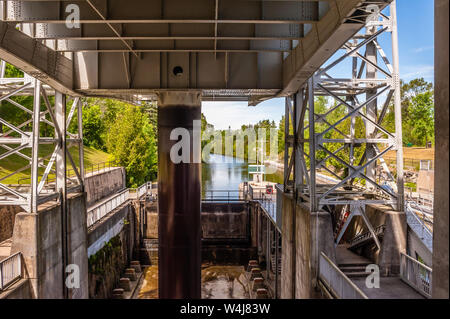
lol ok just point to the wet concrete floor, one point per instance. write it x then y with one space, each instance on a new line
218 282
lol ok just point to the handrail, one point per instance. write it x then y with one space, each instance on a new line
269 206
339 284
227 197
408 162
422 200
10 270
90 169
416 274
101 209
418 262
142 190
418 226
360 238
426 216
269 209
256 192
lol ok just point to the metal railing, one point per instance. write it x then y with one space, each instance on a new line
96 167
225 196
417 224
416 274
424 200
142 190
367 235
257 193
100 210
336 281
410 162
89 169
270 206
10 270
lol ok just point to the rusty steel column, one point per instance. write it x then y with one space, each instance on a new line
440 283
179 195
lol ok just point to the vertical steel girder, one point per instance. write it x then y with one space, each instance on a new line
179 197
18 138
364 95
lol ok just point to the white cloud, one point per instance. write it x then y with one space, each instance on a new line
423 49
411 72
236 114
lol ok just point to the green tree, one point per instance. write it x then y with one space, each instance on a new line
93 127
12 72
131 141
416 100
421 118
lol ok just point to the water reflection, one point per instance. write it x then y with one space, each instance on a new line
226 173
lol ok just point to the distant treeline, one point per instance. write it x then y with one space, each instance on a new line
128 132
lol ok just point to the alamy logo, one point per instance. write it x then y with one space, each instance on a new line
73 17
73 277
373 280
254 145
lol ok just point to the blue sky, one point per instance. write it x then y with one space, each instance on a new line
416 45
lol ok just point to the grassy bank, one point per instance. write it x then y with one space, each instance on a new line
15 162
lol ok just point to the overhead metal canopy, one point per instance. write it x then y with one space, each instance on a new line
248 50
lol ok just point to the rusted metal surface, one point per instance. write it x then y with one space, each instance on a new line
179 196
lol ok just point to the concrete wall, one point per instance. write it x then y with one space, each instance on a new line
19 290
219 221
301 248
39 238
226 235
287 248
151 221
441 195
323 242
425 182
125 217
112 244
224 221
97 187
394 242
415 247
102 185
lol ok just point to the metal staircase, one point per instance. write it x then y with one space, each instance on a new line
366 238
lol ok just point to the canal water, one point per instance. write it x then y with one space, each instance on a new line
226 173
218 281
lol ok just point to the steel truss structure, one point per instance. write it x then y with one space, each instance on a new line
24 140
316 136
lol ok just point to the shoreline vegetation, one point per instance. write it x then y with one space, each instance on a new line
128 133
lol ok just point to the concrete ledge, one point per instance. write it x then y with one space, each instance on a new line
104 184
39 238
19 290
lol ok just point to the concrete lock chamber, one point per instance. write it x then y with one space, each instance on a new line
179 195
